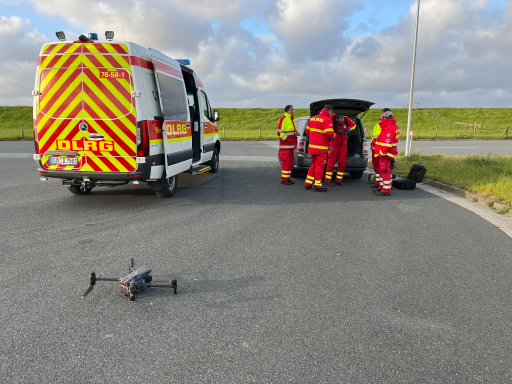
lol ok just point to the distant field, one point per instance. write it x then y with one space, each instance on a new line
244 123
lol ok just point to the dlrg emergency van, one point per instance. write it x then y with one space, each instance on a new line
107 113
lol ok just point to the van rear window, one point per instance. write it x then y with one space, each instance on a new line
173 98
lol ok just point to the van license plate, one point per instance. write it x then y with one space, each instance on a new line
63 161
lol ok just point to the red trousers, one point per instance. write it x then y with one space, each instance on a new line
316 170
340 154
385 173
375 163
286 157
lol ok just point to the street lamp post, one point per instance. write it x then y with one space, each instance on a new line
409 118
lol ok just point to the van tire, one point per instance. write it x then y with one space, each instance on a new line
75 190
169 190
356 174
214 162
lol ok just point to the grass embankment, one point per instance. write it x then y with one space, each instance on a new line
11 120
489 175
244 123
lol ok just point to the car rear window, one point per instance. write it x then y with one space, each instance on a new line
301 125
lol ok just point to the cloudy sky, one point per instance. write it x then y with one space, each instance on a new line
269 53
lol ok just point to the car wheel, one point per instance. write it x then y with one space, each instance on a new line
356 174
171 183
214 162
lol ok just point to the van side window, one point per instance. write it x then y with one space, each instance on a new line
206 106
153 103
173 98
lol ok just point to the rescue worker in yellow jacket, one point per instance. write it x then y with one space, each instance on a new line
375 155
287 132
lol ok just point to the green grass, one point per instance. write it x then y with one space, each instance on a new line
489 175
244 123
11 118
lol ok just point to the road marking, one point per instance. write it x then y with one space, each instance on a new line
502 222
15 155
249 158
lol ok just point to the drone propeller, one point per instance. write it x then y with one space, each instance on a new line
88 291
132 265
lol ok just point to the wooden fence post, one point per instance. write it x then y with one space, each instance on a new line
505 132
260 131
418 133
400 132
223 132
436 131
22 134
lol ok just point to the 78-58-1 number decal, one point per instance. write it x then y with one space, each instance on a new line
113 75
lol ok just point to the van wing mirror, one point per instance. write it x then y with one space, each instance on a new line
216 115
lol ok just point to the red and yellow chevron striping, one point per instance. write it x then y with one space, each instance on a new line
87 83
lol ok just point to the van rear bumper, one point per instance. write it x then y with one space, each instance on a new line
142 173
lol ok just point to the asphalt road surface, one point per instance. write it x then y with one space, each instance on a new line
276 283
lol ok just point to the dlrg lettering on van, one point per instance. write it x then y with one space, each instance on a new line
107 113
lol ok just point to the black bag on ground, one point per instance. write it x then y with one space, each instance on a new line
416 175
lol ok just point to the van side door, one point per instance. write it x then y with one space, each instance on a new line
209 127
176 130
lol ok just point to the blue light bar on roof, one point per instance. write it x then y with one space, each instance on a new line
184 61
93 36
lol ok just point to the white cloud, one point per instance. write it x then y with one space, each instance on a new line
463 49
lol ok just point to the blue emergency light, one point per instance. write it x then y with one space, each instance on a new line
93 36
184 61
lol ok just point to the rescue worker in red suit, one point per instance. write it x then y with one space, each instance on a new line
320 131
386 147
375 155
287 132
338 149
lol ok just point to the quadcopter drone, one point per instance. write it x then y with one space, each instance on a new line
137 281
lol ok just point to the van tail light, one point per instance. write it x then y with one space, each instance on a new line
142 139
365 148
36 139
301 147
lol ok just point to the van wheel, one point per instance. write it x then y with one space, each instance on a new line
75 190
295 172
214 162
356 174
171 183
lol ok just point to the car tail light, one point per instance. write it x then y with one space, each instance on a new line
365 148
36 139
301 146
142 139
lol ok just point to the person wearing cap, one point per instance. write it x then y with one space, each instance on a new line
287 132
338 149
375 156
386 147
320 131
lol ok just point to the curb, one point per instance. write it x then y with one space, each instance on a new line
494 205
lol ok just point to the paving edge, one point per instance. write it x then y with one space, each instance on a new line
496 205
